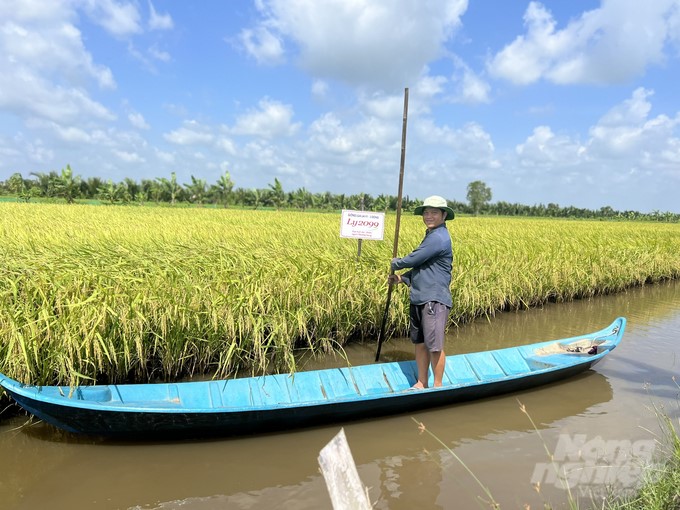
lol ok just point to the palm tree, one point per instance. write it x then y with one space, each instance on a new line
381 203
223 188
196 190
301 198
110 192
170 186
277 196
252 197
132 188
15 184
45 183
90 187
67 186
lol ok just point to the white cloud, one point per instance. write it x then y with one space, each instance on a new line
628 157
364 42
72 134
329 135
19 147
263 45
129 157
603 46
38 152
36 11
45 69
157 54
54 50
165 157
190 133
319 88
430 86
137 120
475 147
55 85
227 145
545 149
272 119
383 106
626 131
119 18
473 89
32 98
159 21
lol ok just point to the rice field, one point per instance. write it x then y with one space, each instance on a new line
135 294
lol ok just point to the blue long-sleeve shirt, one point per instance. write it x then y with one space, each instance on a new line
431 264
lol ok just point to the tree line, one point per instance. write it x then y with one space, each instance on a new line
65 185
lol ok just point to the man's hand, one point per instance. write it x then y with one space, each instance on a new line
394 279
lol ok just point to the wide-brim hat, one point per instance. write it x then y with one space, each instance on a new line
437 202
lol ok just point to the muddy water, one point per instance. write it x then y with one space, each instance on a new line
578 421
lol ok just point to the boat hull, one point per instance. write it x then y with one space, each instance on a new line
284 401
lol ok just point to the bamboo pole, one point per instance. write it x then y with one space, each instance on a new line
395 246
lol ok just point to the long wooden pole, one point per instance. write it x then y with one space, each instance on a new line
395 246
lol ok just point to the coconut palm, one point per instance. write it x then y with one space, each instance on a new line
67 186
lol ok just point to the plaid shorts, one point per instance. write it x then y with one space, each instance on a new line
428 324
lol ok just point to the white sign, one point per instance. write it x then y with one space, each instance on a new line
362 225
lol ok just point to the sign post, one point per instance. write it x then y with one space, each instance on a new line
362 225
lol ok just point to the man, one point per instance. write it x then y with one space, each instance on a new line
429 279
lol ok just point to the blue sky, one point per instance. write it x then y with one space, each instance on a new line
573 103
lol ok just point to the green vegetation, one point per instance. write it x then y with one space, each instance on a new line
478 195
136 294
54 186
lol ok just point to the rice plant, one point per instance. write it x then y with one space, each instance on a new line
112 294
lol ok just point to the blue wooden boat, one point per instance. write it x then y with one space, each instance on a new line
283 401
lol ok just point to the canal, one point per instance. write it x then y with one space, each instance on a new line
598 428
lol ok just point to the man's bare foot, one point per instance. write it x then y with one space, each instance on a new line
418 386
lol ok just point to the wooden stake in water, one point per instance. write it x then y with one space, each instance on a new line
342 479
396 228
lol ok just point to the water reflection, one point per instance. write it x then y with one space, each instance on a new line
409 463
484 422
422 474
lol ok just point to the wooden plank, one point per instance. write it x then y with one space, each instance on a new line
337 384
459 371
370 380
306 387
236 393
410 371
276 390
396 378
511 361
215 394
342 479
485 366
